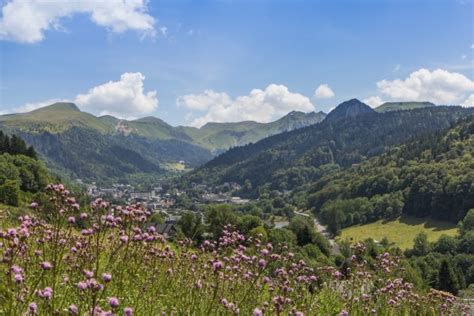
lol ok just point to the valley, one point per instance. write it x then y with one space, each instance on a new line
397 180
226 158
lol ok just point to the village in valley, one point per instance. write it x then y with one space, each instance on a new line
168 203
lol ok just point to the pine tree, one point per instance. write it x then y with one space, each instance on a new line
447 279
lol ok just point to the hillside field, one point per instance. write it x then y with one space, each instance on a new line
401 231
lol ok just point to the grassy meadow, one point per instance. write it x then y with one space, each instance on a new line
401 231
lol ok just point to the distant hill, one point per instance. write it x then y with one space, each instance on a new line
398 106
107 148
222 136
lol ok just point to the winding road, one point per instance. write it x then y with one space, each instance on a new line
323 231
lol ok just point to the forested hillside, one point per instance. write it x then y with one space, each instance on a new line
289 160
92 156
20 171
432 176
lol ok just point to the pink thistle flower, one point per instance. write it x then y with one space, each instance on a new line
46 293
33 308
73 309
257 312
113 302
11 232
45 265
106 277
262 263
71 220
82 285
89 274
18 278
217 265
344 313
128 311
84 216
34 205
16 269
124 239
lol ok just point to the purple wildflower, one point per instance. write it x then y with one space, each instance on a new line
106 277
113 302
33 308
45 265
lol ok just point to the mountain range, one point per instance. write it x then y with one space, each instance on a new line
352 133
109 149
94 148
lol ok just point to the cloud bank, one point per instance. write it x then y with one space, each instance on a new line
26 21
438 86
259 105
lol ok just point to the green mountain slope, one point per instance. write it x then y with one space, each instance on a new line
289 160
107 148
55 118
398 106
432 176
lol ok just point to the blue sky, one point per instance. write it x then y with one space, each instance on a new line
203 58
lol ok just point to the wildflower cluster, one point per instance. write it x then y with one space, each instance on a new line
108 260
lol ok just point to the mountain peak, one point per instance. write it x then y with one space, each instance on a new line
60 106
150 119
350 109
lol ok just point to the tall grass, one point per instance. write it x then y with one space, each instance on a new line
106 260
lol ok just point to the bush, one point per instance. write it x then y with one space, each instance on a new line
10 192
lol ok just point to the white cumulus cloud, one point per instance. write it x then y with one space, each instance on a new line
259 105
323 92
438 86
26 20
203 101
123 98
373 101
469 102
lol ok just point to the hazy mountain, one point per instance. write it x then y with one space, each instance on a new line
398 106
221 136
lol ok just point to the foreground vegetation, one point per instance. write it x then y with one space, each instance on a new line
106 260
401 231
